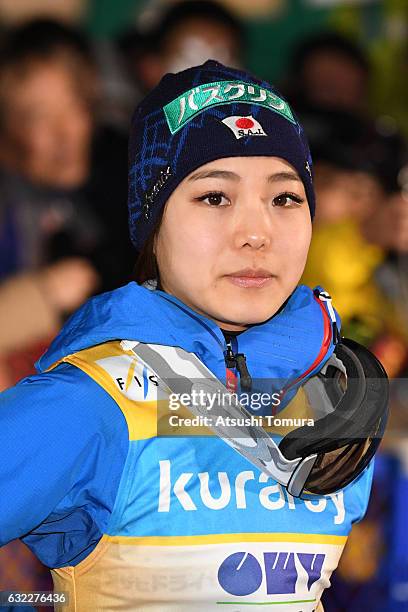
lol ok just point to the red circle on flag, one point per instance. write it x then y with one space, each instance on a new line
244 123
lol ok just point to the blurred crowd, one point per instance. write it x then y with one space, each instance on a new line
63 192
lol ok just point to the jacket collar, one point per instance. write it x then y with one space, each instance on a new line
283 347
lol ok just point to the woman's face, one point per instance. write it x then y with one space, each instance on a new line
228 221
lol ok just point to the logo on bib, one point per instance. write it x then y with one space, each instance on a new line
278 572
192 491
244 126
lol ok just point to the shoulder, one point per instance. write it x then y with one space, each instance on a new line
64 404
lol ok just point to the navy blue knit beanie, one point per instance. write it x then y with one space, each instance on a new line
199 115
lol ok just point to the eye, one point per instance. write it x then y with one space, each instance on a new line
215 198
287 200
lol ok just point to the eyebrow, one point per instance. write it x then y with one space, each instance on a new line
226 174
284 176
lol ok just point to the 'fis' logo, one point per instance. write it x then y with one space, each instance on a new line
244 126
131 377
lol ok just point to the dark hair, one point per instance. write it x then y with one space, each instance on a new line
41 38
134 43
133 47
208 10
45 40
326 42
146 267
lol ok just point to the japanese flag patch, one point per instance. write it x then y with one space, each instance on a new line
244 126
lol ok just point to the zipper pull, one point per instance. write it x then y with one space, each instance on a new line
230 360
238 361
231 363
246 380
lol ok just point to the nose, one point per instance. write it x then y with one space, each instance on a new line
252 227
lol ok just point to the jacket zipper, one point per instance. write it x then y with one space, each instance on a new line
235 360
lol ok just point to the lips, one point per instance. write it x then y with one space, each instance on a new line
251 273
250 277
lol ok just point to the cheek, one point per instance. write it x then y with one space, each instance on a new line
83 128
76 125
293 246
39 141
189 244
204 246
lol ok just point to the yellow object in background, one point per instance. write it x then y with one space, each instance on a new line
343 262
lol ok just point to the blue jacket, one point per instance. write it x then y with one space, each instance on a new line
64 442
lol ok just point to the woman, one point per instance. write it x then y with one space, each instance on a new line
221 201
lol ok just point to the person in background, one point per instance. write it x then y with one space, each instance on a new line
330 74
185 35
62 207
328 70
353 177
360 247
353 181
61 183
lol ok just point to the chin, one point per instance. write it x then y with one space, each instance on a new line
257 306
247 315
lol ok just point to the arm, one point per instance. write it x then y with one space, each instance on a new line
63 444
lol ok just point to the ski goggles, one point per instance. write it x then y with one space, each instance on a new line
347 401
